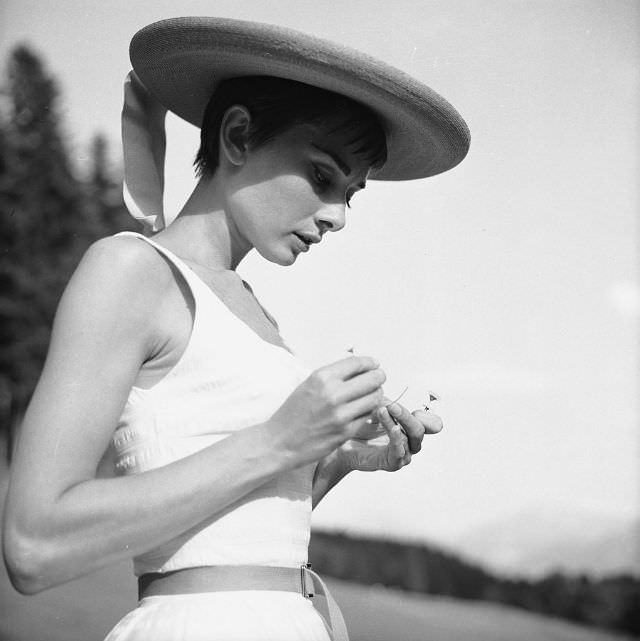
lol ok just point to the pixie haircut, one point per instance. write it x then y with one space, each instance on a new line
276 104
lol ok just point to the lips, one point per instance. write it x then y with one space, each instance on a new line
310 239
306 240
301 244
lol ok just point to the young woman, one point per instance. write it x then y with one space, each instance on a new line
222 440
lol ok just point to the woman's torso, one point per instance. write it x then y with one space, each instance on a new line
226 378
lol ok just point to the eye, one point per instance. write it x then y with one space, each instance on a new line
324 183
320 178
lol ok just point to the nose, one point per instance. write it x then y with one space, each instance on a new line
331 217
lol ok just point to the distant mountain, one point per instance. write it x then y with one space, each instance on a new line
540 541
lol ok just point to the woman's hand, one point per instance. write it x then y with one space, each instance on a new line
331 406
386 444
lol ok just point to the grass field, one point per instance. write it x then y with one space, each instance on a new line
86 609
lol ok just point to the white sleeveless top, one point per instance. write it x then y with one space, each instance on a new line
228 378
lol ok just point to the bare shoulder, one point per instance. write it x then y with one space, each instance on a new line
126 259
105 329
118 285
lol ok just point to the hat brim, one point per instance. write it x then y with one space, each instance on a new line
182 60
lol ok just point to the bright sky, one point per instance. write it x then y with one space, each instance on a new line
509 285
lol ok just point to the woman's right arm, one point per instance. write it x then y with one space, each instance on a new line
60 520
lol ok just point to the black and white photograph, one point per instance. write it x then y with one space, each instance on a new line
320 321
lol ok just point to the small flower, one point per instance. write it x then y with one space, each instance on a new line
432 397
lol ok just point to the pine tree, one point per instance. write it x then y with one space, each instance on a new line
47 197
48 217
104 193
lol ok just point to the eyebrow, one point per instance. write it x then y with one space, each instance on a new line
346 170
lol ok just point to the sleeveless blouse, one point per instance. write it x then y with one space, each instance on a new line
228 378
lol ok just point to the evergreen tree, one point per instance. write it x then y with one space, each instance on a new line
47 219
104 194
45 194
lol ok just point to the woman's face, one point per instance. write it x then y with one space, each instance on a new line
293 189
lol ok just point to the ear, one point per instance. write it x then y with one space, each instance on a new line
234 134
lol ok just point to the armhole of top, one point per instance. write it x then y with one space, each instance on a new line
186 290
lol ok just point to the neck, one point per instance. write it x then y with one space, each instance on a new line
203 233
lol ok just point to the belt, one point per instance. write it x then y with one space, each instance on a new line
224 578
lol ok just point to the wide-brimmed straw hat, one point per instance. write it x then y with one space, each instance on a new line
180 61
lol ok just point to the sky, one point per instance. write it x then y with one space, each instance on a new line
509 285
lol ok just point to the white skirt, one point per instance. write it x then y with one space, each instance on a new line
257 615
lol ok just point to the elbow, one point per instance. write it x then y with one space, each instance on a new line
27 564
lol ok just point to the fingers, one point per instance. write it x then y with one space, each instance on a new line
350 379
360 428
399 454
413 427
370 428
363 407
431 423
349 367
362 384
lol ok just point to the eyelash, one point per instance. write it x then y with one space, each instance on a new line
324 182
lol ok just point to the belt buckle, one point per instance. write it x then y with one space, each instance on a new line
303 581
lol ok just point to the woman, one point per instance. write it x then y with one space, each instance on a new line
223 440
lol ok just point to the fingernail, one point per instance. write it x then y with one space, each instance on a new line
393 418
394 409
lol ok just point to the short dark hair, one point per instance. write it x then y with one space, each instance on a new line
276 104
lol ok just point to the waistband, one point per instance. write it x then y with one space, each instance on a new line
225 578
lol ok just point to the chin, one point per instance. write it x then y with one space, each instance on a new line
286 261
282 257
